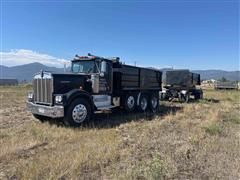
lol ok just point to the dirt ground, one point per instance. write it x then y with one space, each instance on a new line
198 140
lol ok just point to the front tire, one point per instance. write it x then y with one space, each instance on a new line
78 112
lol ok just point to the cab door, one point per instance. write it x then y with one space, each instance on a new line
106 77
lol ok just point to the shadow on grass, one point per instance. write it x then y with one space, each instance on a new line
192 100
119 116
209 100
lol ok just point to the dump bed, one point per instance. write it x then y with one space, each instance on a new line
136 78
181 78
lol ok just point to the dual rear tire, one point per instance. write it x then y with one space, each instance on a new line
146 101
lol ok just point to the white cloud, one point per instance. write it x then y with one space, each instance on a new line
23 56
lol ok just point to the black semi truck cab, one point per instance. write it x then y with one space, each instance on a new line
94 84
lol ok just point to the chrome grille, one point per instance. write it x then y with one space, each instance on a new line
43 89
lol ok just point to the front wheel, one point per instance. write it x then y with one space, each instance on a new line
78 112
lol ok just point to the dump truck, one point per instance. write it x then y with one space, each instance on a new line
95 84
181 84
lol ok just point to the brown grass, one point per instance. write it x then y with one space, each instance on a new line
199 140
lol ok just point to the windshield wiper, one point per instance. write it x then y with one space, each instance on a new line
90 70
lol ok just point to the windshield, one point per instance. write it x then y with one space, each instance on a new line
84 67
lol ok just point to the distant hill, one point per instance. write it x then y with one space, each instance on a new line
26 72
217 74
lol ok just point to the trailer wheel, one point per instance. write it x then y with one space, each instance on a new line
154 102
183 98
198 95
129 103
78 112
143 103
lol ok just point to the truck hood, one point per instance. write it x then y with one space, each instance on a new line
63 83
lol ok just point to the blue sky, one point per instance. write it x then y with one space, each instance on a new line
186 34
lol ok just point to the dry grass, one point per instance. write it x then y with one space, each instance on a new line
199 140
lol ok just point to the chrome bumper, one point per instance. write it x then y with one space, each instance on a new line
49 111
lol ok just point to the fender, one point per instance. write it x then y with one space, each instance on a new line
76 93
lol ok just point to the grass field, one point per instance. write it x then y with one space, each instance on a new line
199 140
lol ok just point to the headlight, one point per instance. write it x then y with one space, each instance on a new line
30 95
58 98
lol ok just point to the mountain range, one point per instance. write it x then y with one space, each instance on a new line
26 72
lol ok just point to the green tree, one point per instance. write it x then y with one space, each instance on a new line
223 79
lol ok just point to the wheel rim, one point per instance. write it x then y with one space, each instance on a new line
79 113
130 102
154 102
186 98
144 104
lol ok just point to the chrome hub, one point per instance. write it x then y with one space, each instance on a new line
130 102
79 113
143 104
154 102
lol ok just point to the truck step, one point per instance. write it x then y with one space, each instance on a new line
106 107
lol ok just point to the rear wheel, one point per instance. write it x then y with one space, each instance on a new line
129 103
198 95
78 112
154 102
143 103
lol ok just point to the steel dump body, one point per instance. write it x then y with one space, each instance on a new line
181 79
127 77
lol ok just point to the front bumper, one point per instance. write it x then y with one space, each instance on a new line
49 111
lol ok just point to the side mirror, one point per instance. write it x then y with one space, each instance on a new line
103 67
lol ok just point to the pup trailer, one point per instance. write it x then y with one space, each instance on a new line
181 84
94 84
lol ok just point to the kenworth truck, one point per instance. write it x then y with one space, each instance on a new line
94 84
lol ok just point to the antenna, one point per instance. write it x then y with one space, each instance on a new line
64 64
135 63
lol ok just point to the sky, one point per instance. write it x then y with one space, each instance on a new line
179 34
